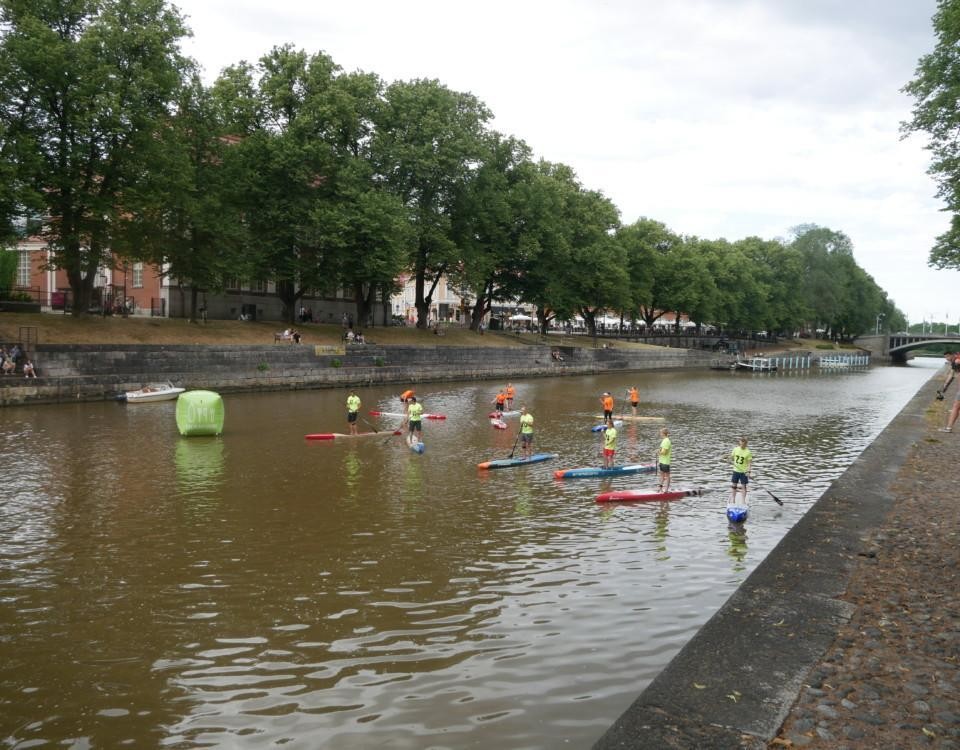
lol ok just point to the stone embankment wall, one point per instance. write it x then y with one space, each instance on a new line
99 372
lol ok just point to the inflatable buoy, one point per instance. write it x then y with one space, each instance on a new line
199 413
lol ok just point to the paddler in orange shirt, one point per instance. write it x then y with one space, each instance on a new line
500 400
407 395
511 392
634 395
607 400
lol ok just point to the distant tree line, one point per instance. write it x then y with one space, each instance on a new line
294 170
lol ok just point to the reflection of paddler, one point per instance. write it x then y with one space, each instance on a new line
407 395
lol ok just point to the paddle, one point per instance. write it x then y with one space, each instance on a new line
369 425
776 499
514 449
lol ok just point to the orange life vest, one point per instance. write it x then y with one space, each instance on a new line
608 403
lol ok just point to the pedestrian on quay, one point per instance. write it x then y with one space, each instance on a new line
954 361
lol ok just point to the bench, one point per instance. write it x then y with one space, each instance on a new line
282 337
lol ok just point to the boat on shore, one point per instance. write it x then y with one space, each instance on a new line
151 392
756 364
834 363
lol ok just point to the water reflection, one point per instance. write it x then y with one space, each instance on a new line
353 593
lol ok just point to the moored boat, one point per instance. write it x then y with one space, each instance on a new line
152 392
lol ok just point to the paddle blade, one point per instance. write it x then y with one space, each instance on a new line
776 499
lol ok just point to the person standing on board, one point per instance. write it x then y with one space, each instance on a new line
353 410
414 420
742 461
664 459
511 392
634 395
607 400
609 444
500 401
526 433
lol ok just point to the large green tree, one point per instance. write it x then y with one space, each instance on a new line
187 217
428 141
86 86
936 92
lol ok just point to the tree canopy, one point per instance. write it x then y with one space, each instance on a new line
292 171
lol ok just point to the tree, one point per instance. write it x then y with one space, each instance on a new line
85 89
188 216
493 226
427 142
936 91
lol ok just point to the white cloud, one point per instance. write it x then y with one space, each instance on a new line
721 118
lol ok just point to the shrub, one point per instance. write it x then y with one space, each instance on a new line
378 361
263 367
335 362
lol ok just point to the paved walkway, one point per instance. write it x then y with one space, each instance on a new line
891 679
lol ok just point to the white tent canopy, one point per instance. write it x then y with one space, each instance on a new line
520 316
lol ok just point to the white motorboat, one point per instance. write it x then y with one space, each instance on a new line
152 392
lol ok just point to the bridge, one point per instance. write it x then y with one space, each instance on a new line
894 346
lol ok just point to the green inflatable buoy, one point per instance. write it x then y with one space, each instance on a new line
199 413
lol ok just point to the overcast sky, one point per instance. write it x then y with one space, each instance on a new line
720 118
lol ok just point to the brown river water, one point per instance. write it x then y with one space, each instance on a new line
258 589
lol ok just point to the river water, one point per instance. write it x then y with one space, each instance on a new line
259 589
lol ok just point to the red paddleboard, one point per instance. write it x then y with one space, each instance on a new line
337 435
401 414
498 424
635 496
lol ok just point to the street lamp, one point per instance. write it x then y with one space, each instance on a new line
879 318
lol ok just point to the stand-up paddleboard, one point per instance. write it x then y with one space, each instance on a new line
737 513
503 463
338 435
603 427
401 414
599 471
638 418
511 413
498 424
418 447
640 496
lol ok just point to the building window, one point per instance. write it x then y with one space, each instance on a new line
138 275
231 282
23 269
258 286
